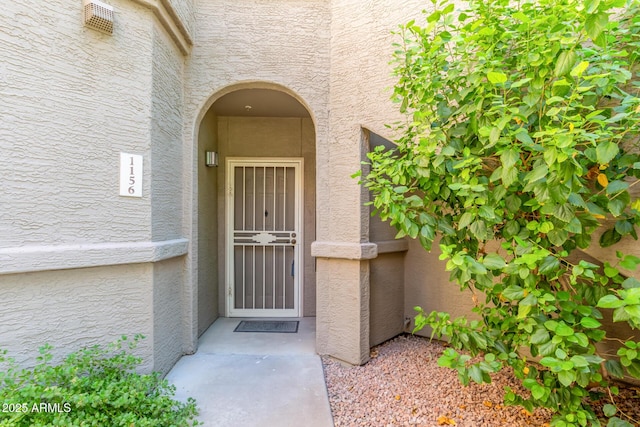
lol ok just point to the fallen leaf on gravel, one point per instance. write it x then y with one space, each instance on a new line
462 406
445 421
488 404
373 354
398 397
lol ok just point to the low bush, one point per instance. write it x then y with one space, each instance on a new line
521 143
95 386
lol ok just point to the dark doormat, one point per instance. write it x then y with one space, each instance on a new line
282 326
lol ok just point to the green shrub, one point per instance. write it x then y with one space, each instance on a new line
521 138
95 386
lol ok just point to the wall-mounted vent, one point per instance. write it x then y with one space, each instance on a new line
98 15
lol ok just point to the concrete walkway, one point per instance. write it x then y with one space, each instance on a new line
244 379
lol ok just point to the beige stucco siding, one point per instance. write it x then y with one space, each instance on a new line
166 139
207 288
72 99
280 45
72 309
69 106
172 329
358 97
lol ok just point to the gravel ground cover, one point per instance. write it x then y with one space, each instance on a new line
403 385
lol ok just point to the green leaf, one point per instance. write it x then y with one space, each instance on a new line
558 237
609 301
494 135
564 330
623 227
509 176
537 173
590 323
614 368
566 378
617 422
609 410
620 315
564 212
479 230
609 238
513 292
616 186
496 77
523 136
606 151
565 62
549 264
579 69
617 206
631 282
540 336
476 374
591 5
538 391
595 24
494 262
465 220
509 158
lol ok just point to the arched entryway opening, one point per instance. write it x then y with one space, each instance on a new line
256 207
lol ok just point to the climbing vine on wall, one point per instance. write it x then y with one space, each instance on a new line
521 141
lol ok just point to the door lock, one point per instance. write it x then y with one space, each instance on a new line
292 241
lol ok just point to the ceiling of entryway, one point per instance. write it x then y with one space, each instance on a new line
261 103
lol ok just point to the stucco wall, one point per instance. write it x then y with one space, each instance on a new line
71 100
71 309
208 301
170 326
361 47
386 285
166 139
281 45
271 137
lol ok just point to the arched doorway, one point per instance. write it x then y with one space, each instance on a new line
256 208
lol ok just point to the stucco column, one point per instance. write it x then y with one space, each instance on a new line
342 319
342 252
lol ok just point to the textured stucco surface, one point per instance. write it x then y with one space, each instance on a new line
166 140
345 334
281 45
427 285
81 264
207 272
72 99
72 309
69 105
171 328
358 97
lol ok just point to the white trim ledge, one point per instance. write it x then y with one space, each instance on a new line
344 250
24 259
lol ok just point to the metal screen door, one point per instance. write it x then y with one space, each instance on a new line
264 235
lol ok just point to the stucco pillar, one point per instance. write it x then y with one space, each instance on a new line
342 319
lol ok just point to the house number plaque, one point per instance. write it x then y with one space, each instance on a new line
130 175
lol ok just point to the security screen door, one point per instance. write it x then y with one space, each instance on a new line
264 235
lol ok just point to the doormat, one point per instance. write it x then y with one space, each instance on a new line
282 326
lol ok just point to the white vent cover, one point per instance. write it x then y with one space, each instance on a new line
98 15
